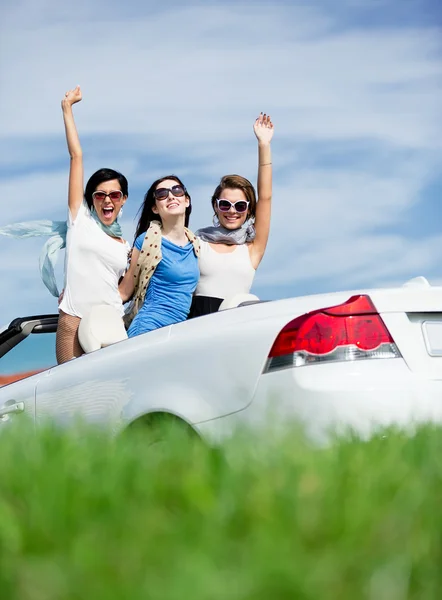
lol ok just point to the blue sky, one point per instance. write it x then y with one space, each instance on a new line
355 92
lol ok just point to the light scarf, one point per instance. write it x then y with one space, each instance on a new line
57 231
221 235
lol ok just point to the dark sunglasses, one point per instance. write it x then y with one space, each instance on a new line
114 196
163 193
239 206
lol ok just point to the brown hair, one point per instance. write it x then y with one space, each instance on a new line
236 182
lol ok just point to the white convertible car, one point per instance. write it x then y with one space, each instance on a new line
359 359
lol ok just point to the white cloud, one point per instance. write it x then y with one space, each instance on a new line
365 261
357 114
230 63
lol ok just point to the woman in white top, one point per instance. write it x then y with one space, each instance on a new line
232 249
96 254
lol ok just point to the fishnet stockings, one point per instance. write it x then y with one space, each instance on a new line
67 345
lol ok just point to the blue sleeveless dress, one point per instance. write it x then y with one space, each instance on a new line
169 293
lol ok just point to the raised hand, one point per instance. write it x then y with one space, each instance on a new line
263 128
75 195
71 97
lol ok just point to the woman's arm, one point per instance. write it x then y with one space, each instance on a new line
263 128
127 284
75 194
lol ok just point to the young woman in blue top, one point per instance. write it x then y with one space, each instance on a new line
169 291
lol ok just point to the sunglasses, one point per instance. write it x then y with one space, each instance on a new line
114 196
163 193
239 206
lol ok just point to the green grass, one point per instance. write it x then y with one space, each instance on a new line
84 516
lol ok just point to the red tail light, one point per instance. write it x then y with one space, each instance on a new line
349 331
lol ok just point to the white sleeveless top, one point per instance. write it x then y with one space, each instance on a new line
94 264
223 275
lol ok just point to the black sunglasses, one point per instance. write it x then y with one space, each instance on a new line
163 193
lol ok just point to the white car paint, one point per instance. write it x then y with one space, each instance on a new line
209 372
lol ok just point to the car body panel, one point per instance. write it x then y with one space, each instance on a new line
362 396
156 372
209 372
20 386
16 392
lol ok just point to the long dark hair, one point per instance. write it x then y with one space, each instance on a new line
147 214
101 176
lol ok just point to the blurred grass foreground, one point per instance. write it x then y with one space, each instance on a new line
84 516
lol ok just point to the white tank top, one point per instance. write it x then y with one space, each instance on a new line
223 275
94 264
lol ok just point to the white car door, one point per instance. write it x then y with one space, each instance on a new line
25 360
81 389
97 387
17 400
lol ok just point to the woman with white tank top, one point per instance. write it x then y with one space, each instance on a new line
231 250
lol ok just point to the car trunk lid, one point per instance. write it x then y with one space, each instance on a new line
413 317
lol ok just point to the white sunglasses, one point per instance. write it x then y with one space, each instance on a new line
239 206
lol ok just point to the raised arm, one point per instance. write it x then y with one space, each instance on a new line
127 284
263 128
75 194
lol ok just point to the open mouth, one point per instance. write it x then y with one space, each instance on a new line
173 205
108 211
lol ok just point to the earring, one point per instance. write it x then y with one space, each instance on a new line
215 220
120 214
